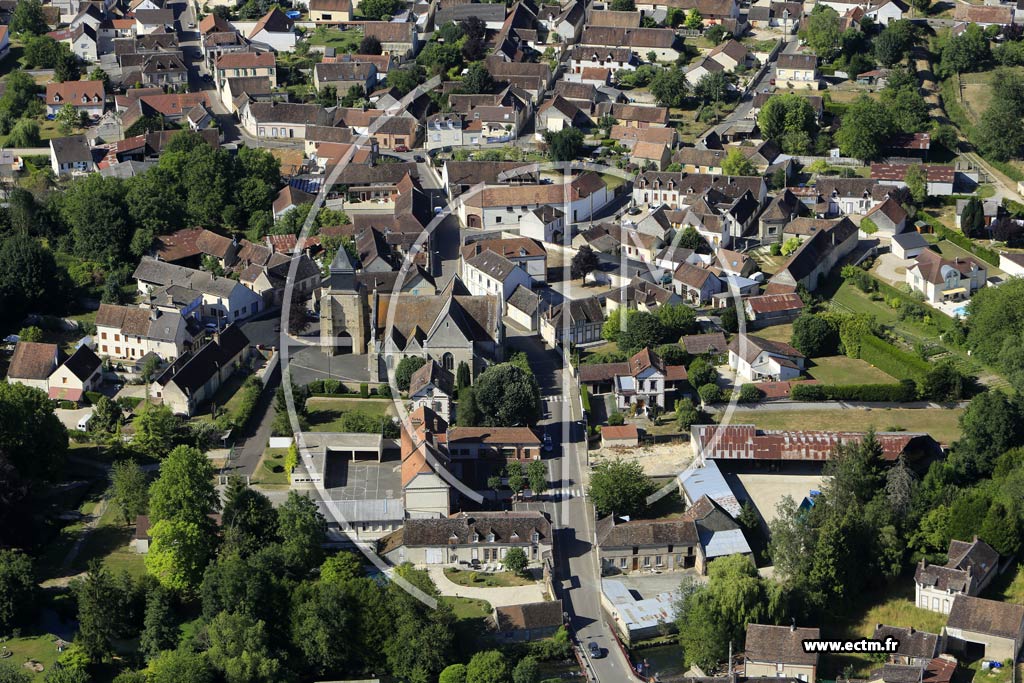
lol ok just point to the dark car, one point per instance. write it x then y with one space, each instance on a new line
418 159
548 446
595 650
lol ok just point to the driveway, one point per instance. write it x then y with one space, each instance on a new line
497 597
892 269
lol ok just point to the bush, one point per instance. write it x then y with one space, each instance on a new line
710 393
616 419
384 391
775 249
92 396
364 390
585 397
900 392
750 394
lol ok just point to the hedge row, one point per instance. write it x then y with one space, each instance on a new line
585 397
984 253
891 360
900 392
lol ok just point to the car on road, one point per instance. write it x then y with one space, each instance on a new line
548 445
401 148
595 650
418 159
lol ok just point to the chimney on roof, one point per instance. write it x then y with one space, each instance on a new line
154 313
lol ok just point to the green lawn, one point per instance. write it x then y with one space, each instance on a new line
894 606
486 580
36 648
270 470
325 413
342 41
780 333
950 250
942 423
109 541
1008 587
472 625
846 370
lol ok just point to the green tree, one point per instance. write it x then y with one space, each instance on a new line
968 51
240 649
583 261
865 129
619 487
488 666
694 20
462 376
184 488
701 631
701 372
670 87
17 590
917 183
369 46
248 519
537 475
736 163
94 209
25 133
477 80
823 34
179 551
622 6
785 116
907 109
712 87
687 414
944 382
180 666
302 528
160 629
341 568
506 396
999 134
889 48
468 412
67 118
98 615
990 426
730 319
406 79
515 561
376 10
453 673
643 329
20 96
28 18
155 430
129 489
405 369
30 434
516 476
9 673
1001 529
565 144
815 336
30 334
318 615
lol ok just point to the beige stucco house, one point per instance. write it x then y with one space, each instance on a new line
778 652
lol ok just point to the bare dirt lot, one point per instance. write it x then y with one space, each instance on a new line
766 490
662 460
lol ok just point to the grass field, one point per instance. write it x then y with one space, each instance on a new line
977 91
779 333
486 580
1008 587
943 424
342 41
37 648
846 370
472 625
265 474
325 413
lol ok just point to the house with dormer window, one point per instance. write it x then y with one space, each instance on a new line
641 381
84 96
469 538
940 279
970 567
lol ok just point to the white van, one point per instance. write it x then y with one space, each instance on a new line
83 424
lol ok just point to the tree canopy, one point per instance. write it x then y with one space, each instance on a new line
619 487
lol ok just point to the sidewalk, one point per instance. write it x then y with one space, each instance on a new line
497 597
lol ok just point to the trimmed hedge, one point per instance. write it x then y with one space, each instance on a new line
891 360
585 397
900 392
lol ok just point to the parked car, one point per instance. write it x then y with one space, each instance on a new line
401 148
548 445
595 650
418 159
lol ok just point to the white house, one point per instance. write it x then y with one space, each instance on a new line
71 156
756 359
81 372
489 272
969 568
941 279
526 253
910 244
500 206
274 31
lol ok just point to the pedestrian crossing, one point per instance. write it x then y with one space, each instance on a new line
565 493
